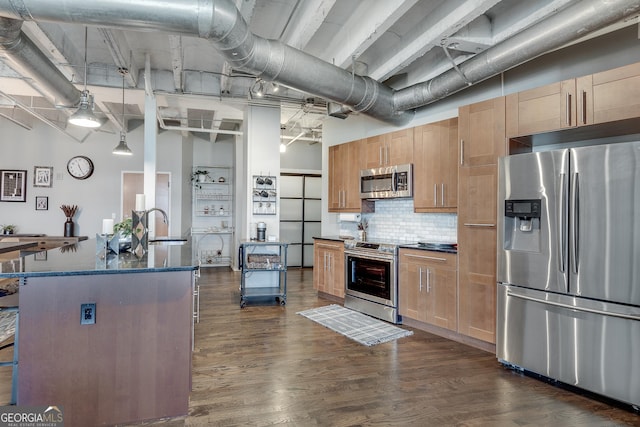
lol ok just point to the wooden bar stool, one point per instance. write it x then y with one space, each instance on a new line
9 303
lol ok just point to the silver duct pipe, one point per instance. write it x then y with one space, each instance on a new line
221 23
30 61
568 25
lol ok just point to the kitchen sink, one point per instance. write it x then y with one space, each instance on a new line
167 241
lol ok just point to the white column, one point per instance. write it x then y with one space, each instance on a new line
261 143
150 146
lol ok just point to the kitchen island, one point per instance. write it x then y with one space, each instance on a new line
107 338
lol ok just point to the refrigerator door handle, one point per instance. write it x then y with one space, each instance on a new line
562 224
575 220
571 307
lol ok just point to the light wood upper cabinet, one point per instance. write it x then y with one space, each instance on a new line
599 98
344 178
481 128
542 109
328 267
427 287
389 149
435 169
615 94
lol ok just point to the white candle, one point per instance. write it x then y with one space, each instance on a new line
107 226
140 205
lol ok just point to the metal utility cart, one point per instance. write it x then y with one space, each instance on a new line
264 272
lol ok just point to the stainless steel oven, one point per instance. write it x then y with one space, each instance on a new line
371 280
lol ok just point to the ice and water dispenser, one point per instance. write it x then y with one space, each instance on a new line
522 225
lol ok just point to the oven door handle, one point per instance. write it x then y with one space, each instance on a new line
369 256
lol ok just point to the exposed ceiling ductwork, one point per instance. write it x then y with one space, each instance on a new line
220 22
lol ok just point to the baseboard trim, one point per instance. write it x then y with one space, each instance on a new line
451 335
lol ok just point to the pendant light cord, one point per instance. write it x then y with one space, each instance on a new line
85 57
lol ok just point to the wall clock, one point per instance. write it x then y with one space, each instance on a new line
80 167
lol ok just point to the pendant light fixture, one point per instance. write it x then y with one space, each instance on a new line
84 115
122 149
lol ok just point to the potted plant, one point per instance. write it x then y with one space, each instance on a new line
8 228
199 175
124 228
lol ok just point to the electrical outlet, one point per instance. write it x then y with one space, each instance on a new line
88 314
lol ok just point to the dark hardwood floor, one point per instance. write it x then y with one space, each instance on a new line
266 365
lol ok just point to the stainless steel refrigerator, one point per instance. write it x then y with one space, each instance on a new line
569 267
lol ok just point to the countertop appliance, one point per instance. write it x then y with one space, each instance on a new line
387 182
371 285
568 270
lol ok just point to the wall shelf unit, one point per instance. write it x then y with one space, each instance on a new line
212 216
265 195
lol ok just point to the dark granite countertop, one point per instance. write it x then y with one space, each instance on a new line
428 248
334 238
81 259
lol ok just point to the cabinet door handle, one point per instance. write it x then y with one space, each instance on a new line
584 107
428 280
380 156
442 193
435 194
386 155
466 224
432 258
568 109
462 152
420 276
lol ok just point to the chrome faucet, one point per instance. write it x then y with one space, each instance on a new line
165 219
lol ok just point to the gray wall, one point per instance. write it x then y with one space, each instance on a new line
609 51
97 197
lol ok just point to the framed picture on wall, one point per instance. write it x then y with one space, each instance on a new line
42 203
13 185
42 176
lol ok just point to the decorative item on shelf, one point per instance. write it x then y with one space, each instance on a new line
222 179
362 230
8 228
199 176
69 212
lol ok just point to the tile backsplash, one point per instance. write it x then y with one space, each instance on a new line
395 220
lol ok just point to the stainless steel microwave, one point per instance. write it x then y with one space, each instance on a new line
387 182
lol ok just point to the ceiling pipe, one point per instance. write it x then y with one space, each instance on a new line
221 23
566 26
30 61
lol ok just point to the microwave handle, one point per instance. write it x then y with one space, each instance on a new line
394 182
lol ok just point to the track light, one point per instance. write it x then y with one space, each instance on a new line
84 115
259 88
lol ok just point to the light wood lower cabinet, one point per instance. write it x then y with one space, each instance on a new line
328 267
427 287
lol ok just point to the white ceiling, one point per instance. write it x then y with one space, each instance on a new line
397 42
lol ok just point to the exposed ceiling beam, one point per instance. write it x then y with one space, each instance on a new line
365 26
177 65
306 21
121 53
446 20
39 37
